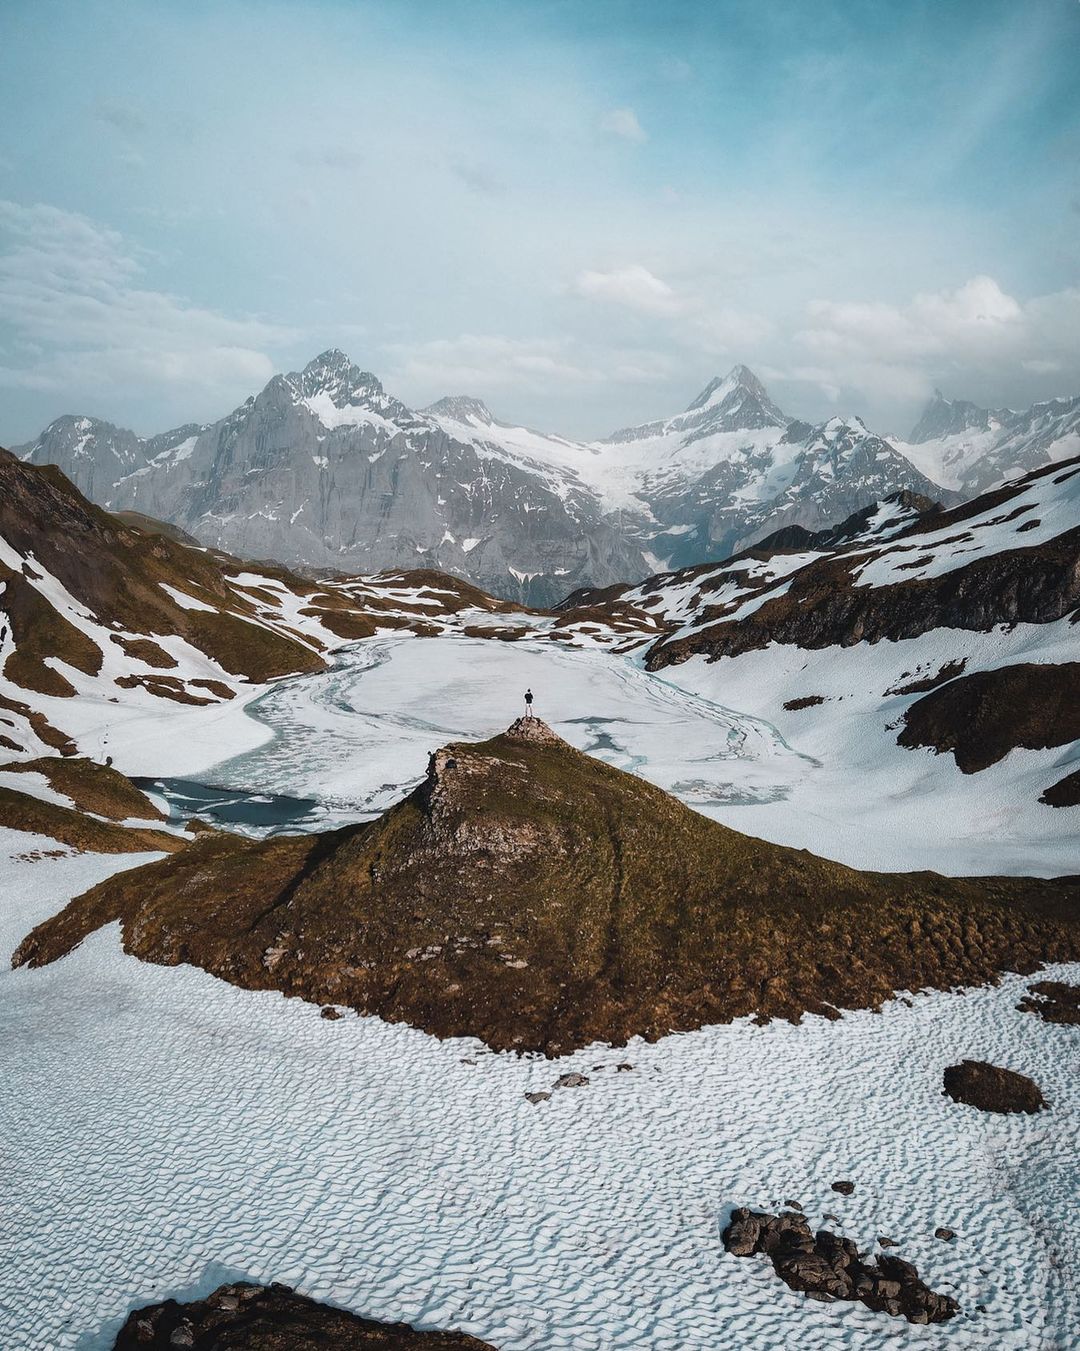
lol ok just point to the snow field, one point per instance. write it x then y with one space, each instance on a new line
163 1131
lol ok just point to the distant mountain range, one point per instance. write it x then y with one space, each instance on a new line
326 470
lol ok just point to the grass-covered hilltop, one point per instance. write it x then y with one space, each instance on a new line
536 898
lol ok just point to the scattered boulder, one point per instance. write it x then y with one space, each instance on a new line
992 1089
330 1013
1053 1001
946 1235
535 1098
884 1242
571 1080
245 1317
807 701
844 1188
624 1068
827 1266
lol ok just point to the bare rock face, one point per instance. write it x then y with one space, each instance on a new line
992 1089
826 1266
245 1317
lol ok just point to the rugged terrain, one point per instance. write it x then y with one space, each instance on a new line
529 895
95 609
971 449
954 630
325 468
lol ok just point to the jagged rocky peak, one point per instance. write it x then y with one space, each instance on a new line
948 417
333 375
461 408
740 399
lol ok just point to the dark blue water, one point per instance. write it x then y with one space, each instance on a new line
234 807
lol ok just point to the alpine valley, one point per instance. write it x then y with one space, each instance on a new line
323 469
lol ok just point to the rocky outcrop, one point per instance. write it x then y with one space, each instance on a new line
246 1317
992 1089
981 717
1053 1001
539 899
827 1266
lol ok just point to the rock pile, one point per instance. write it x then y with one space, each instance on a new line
245 1317
826 1266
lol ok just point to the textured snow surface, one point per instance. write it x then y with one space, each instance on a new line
163 1132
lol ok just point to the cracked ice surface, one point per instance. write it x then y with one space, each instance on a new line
163 1131
359 735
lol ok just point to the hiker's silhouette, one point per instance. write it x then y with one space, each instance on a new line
528 703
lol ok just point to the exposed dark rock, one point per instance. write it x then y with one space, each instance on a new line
884 1242
992 1089
807 701
828 1266
983 716
244 1317
844 1188
946 1235
571 1081
539 899
331 1013
949 671
1054 1001
1064 793
535 1098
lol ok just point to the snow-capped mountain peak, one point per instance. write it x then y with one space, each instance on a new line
461 408
340 393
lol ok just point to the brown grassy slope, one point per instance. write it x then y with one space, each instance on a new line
822 606
92 787
20 811
116 570
532 896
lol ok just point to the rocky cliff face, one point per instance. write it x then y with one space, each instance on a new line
324 468
530 895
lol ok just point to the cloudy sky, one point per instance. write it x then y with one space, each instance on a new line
577 211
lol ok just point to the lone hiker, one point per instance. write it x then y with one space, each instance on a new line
528 703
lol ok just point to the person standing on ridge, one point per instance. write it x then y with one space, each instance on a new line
528 703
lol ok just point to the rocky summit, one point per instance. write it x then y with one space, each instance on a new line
530 895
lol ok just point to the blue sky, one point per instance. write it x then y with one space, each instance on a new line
577 211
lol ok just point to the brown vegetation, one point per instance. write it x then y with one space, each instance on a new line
532 896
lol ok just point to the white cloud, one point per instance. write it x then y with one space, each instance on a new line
70 296
972 341
633 286
623 122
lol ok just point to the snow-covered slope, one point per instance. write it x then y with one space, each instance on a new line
930 660
103 622
325 468
971 449
709 480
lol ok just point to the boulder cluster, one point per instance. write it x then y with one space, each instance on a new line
826 1266
247 1317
